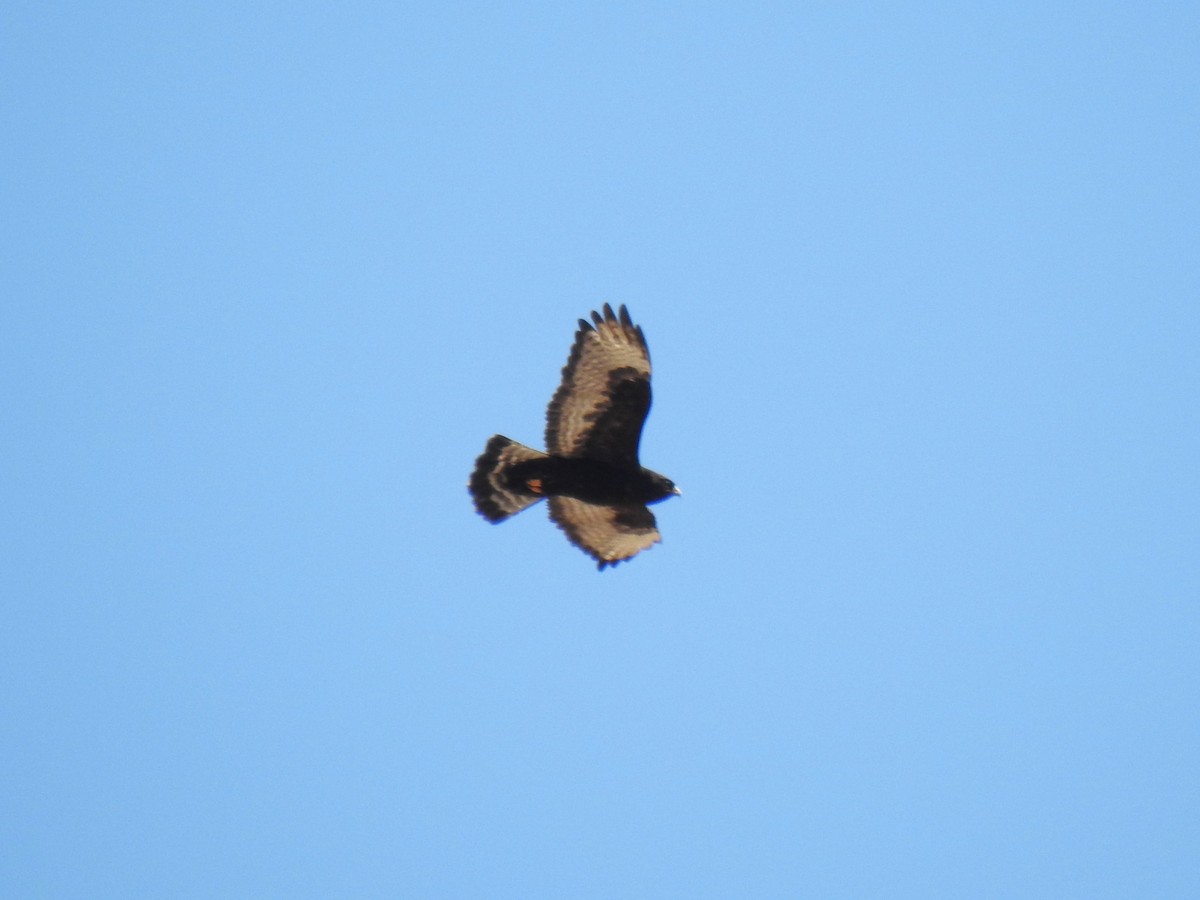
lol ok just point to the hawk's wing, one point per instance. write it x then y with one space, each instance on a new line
608 534
599 408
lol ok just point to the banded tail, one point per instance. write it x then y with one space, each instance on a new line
494 500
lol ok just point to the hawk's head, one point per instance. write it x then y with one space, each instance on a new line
664 486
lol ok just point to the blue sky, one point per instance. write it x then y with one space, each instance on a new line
920 284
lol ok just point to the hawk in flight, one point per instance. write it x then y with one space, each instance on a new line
597 490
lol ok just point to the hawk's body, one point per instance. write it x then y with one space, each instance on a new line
590 472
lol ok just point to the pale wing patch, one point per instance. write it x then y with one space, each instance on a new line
606 345
609 534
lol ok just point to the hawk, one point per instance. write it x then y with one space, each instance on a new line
590 475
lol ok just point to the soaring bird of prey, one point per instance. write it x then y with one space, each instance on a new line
590 475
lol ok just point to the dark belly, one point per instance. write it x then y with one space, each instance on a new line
584 479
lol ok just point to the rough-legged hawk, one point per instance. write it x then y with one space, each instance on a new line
590 472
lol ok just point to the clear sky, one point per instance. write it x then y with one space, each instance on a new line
921 285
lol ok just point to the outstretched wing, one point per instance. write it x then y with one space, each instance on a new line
599 407
608 534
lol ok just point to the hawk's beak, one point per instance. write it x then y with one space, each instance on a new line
676 491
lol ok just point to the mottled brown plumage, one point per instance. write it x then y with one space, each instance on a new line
597 488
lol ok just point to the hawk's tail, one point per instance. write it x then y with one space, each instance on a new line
488 485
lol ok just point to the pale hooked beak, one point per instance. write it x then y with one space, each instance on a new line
676 491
